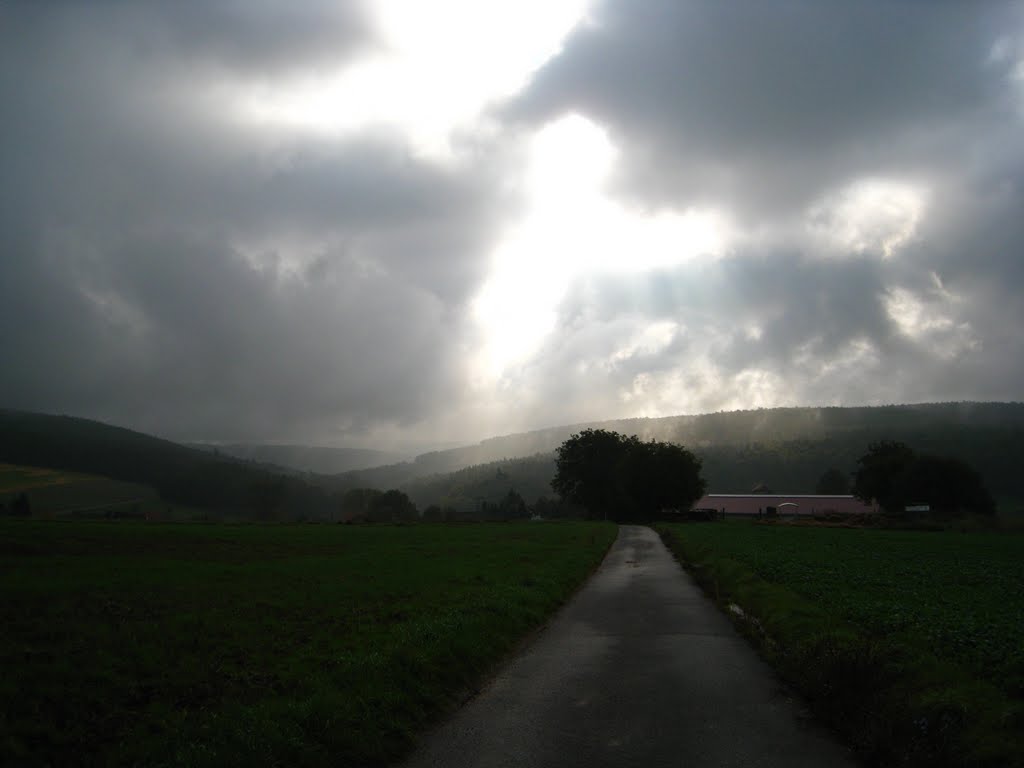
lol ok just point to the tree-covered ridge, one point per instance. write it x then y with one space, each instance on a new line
795 466
788 448
179 474
852 427
466 490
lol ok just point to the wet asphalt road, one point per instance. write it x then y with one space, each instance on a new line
639 669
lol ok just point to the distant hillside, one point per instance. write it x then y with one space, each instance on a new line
787 448
304 458
179 474
736 428
465 489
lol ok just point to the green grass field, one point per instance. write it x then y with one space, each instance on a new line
193 645
924 628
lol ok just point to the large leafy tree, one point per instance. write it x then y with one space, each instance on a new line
949 486
833 481
623 478
587 471
878 474
392 507
894 475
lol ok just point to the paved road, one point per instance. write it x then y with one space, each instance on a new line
639 669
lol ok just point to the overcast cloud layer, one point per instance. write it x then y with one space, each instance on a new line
740 205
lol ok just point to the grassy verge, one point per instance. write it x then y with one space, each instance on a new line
203 645
910 644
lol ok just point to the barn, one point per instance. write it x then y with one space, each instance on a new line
788 504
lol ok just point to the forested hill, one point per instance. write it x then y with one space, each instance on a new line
304 458
787 448
933 423
179 474
787 457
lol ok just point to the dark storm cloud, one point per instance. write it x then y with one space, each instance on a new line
171 333
166 266
761 105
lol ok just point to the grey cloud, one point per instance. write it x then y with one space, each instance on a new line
764 110
266 35
820 330
186 338
763 105
259 39
168 267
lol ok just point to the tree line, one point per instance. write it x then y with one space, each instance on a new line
630 468
902 480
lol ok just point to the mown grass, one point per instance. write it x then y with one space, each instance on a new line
910 643
203 645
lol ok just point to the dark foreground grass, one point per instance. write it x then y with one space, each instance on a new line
909 643
211 645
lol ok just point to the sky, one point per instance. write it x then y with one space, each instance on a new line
402 225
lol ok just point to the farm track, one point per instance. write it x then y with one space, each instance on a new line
638 669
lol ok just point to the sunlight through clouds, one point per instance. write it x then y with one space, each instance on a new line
702 385
437 66
929 322
369 221
573 228
870 215
650 341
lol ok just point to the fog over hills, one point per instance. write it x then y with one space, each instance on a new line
322 460
763 425
788 448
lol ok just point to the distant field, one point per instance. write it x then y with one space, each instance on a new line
949 601
193 645
54 492
14 477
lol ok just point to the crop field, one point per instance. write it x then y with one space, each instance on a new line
954 598
191 645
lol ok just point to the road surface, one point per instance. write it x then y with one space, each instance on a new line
639 669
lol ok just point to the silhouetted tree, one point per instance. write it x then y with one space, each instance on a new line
557 508
267 495
833 482
20 506
622 478
659 476
392 507
513 507
587 471
894 476
878 475
949 486
355 504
